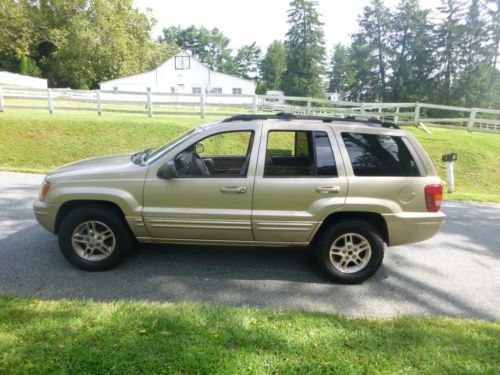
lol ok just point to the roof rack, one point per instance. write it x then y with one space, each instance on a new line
290 116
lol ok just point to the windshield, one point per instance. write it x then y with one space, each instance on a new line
155 154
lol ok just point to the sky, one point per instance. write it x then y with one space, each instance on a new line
262 21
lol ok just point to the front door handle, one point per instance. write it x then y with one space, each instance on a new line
233 189
328 189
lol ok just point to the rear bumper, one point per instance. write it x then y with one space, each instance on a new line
409 227
46 214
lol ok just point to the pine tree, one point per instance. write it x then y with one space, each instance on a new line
474 60
448 39
494 28
273 65
248 61
304 50
412 50
340 74
370 52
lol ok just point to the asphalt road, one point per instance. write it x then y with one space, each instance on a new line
457 273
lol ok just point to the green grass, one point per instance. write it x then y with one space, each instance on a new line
477 170
35 141
41 142
47 337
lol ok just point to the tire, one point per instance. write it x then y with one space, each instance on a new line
94 238
350 252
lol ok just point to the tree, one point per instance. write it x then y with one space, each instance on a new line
412 47
370 51
304 50
247 61
78 43
341 72
16 33
494 22
448 36
472 82
208 46
273 65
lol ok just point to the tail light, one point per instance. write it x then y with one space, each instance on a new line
433 197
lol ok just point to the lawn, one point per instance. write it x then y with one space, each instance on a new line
38 142
46 337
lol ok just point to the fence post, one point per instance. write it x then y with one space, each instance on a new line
1 99
98 102
308 106
396 117
150 104
254 104
362 112
416 118
50 103
202 104
472 118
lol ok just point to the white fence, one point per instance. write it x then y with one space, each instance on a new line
158 103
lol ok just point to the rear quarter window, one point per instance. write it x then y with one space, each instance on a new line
379 155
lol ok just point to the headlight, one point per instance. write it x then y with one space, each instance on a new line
44 190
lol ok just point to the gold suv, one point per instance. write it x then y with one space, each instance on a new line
341 186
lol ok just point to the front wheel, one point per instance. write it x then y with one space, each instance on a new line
94 238
350 252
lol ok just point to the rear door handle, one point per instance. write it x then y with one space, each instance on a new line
233 189
328 189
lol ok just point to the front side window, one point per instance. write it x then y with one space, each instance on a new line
196 90
220 155
299 154
379 155
216 90
236 90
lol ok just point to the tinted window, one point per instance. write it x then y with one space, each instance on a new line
324 155
299 153
379 155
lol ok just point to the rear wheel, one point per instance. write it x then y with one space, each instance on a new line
350 252
94 238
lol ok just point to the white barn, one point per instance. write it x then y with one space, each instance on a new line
182 74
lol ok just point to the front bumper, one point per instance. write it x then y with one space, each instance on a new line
409 227
46 214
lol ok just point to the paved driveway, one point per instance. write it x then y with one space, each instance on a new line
455 273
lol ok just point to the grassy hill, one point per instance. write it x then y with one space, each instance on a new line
39 142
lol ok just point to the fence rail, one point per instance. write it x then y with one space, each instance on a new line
207 104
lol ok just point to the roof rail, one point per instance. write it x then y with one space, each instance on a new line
290 116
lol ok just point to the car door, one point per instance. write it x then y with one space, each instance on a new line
300 179
215 206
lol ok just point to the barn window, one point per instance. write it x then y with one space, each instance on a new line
236 90
196 90
216 90
182 62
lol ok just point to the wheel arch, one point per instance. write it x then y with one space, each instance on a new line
373 218
72 205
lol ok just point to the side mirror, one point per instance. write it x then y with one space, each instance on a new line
167 170
199 148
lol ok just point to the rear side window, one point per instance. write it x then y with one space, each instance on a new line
299 154
379 155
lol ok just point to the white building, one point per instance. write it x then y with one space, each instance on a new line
182 74
14 79
335 96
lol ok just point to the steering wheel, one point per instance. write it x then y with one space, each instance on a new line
200 164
